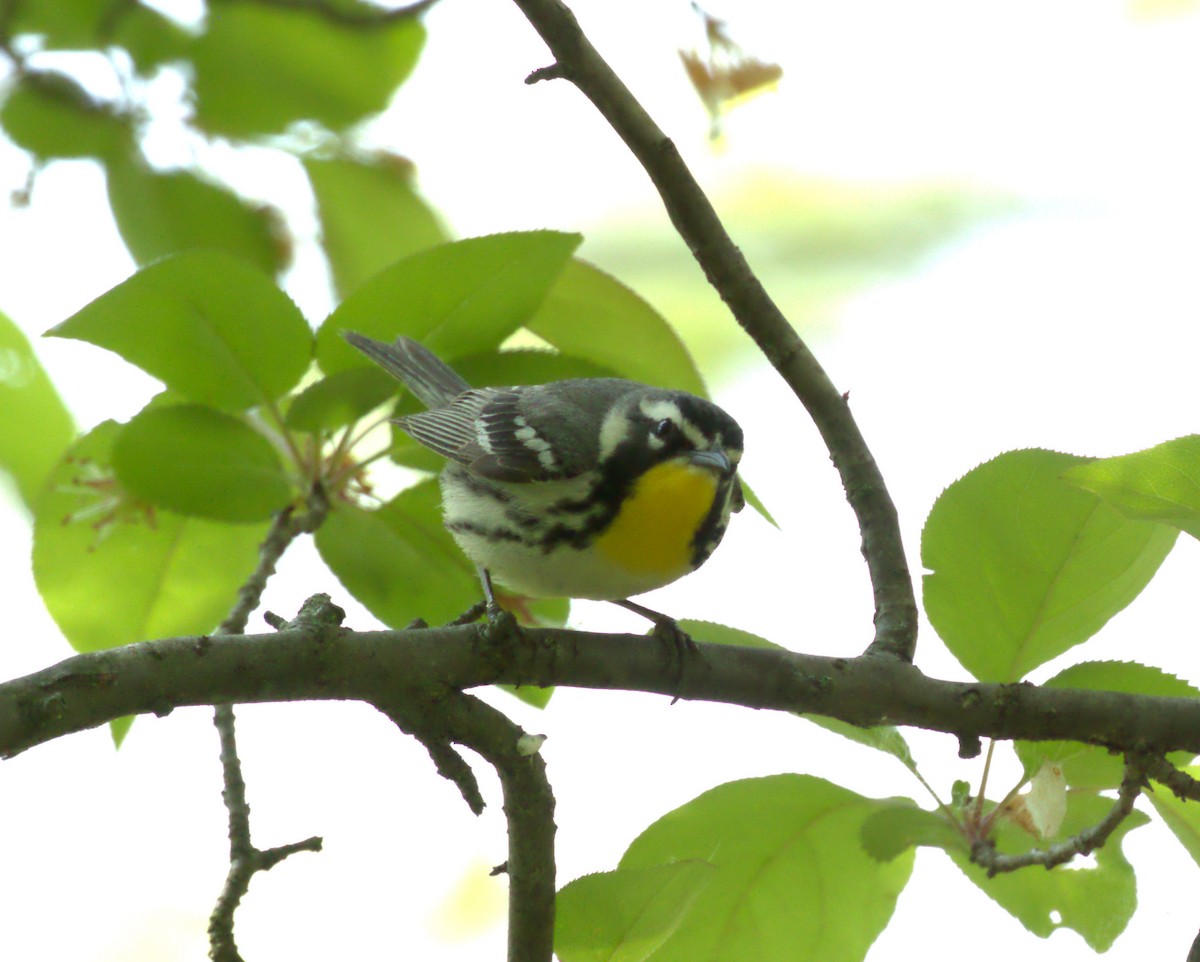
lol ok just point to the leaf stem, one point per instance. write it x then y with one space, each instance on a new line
987 767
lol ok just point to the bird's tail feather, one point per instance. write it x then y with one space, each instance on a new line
432 380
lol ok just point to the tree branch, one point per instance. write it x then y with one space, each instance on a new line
425 722
726 269
316 664
528 807
1158 768
244 859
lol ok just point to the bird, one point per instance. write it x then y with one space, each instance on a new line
593 488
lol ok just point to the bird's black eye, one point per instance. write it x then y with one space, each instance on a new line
665 429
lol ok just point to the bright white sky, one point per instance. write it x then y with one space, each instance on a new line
1075 327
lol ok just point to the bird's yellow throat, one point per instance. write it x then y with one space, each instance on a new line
654 529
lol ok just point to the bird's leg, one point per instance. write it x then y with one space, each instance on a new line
499 620
488 606
664 625
679 643
489 595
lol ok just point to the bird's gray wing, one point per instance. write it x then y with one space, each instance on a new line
486 431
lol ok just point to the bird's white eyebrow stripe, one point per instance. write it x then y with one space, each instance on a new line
660 409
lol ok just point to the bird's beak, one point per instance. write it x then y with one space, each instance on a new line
716 461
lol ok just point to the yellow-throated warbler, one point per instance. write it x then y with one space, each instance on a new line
585 488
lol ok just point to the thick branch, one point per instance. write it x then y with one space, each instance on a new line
697 223
312 664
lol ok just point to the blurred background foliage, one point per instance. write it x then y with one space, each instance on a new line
814 242
167 99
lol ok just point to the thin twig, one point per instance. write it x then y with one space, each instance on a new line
244 859
984 854
417 719
470 616
697 223
1181 783
983 780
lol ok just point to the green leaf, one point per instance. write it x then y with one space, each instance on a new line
35 427
530 694
206 324
261 67
546 612
717 634
504 368
884 738
753 500
1161 483
1089 766
1181 815
63 24
398 560
1097 902
119 728
112 572
371 215
340 399
160 213
150 38
776 843
625 915
590 315
202 463
900 825
459 298
50 115
1024 566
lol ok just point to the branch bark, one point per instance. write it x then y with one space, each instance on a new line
528 808
1181 783
318 664
726 269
